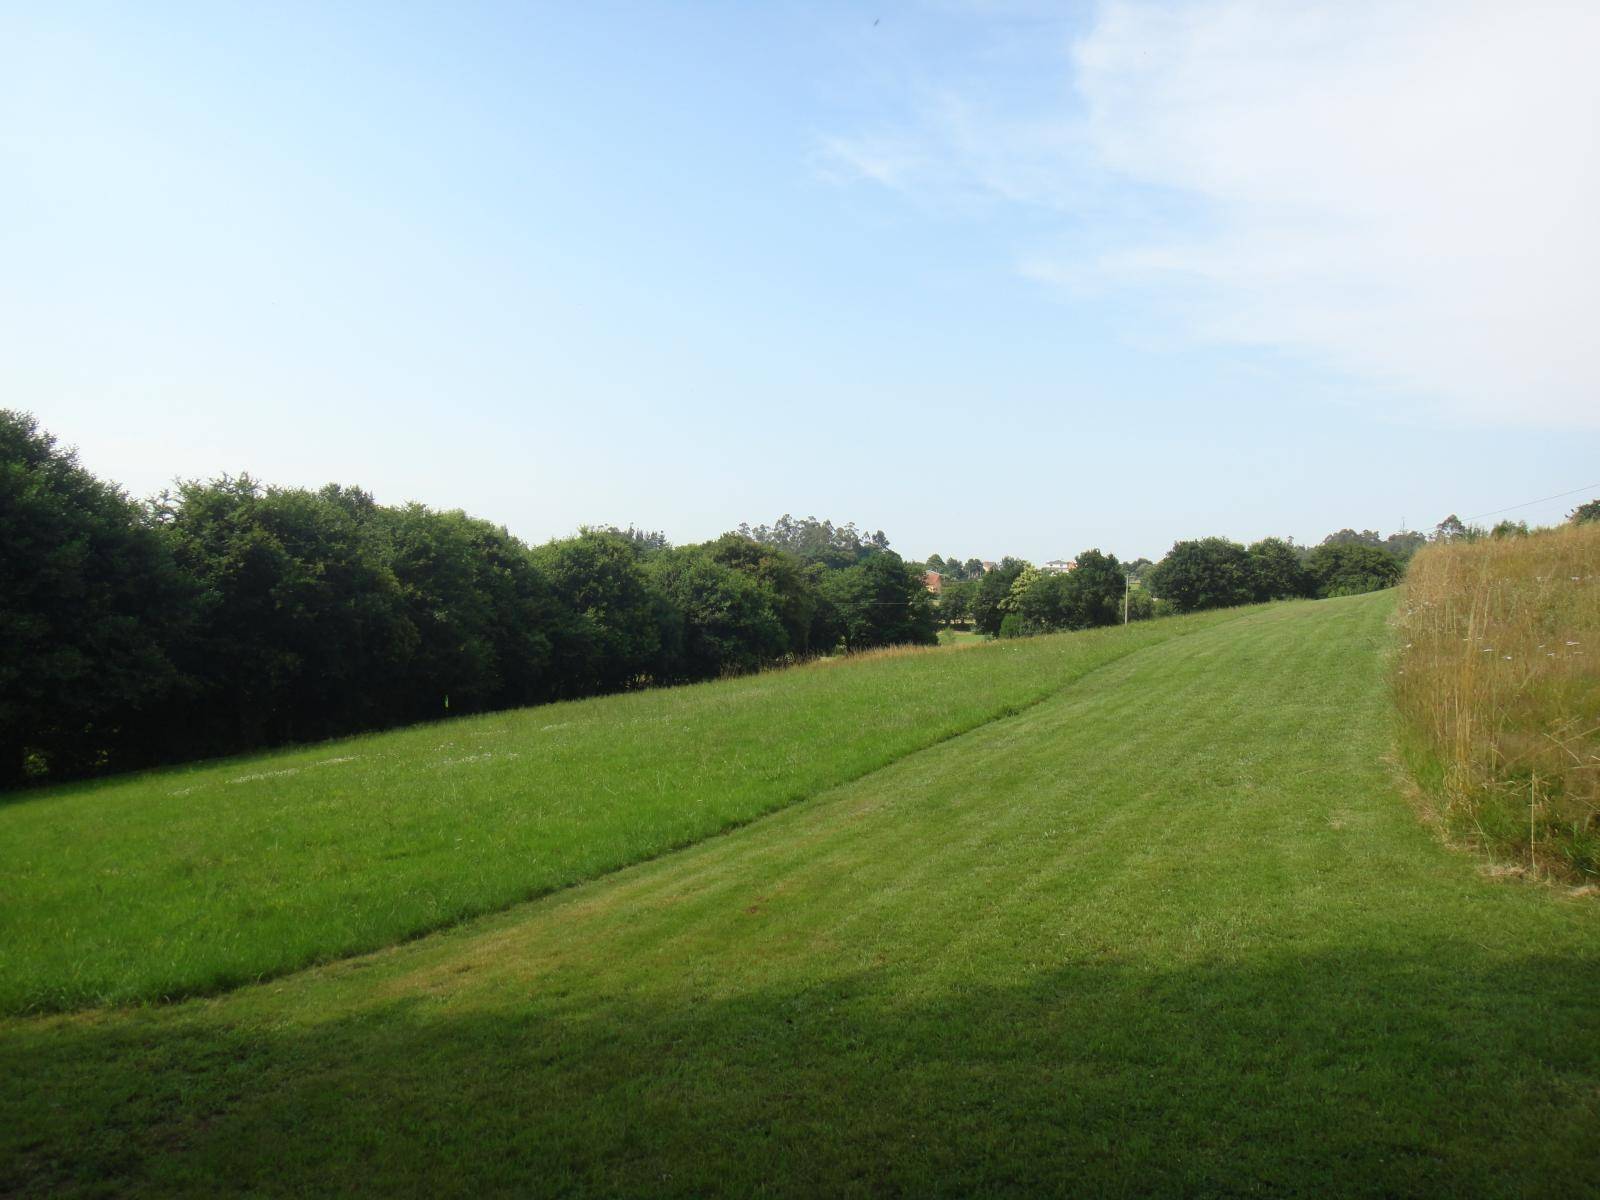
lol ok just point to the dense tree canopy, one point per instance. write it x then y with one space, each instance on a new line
1343 570
955 601
792 591
623 630
1096 585
1214 572
728 619
814 541
1404 543
303 628
1085 597
954 569
1206 573
227 614
1401 544
90 600
1275 570
989 605
881 601
487 623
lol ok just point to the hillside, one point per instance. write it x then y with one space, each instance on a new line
200 878
1171 929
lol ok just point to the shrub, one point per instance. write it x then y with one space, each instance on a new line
1345 569
1208 573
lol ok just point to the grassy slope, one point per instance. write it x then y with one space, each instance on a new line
198 879
1170 931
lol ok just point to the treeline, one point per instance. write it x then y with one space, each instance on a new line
227 615
1217 573
1014 598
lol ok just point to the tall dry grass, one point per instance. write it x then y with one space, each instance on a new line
1498 686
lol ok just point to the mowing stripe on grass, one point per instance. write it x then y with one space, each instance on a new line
197 879
1171 932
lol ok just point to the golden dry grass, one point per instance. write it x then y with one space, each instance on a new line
1498 686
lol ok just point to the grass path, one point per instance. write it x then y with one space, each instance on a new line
1171 931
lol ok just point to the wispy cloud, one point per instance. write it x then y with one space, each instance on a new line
1405 191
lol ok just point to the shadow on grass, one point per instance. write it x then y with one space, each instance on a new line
1444 1069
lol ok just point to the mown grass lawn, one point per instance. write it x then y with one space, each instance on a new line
198 879
1172 931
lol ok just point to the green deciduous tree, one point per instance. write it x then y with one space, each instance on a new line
1344 570
1204 573
881 602
1039 602
1276 572
994 587
1351 537
303 630
793 592
1096 586
91 609
814 541
1088 596
729 619
487 623
623 628
955 601
1404 543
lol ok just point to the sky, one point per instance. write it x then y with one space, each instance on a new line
995 278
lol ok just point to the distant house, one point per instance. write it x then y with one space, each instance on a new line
1059 566
933 581
990 566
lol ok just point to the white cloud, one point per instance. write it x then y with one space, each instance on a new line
1408 191
1407 188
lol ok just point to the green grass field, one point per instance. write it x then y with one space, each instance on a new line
199 879
1172 930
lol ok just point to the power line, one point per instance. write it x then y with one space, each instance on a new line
1529 504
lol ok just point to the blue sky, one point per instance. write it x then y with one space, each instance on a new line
997 279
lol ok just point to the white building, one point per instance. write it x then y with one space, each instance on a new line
1059 566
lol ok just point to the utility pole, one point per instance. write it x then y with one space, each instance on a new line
1127 582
